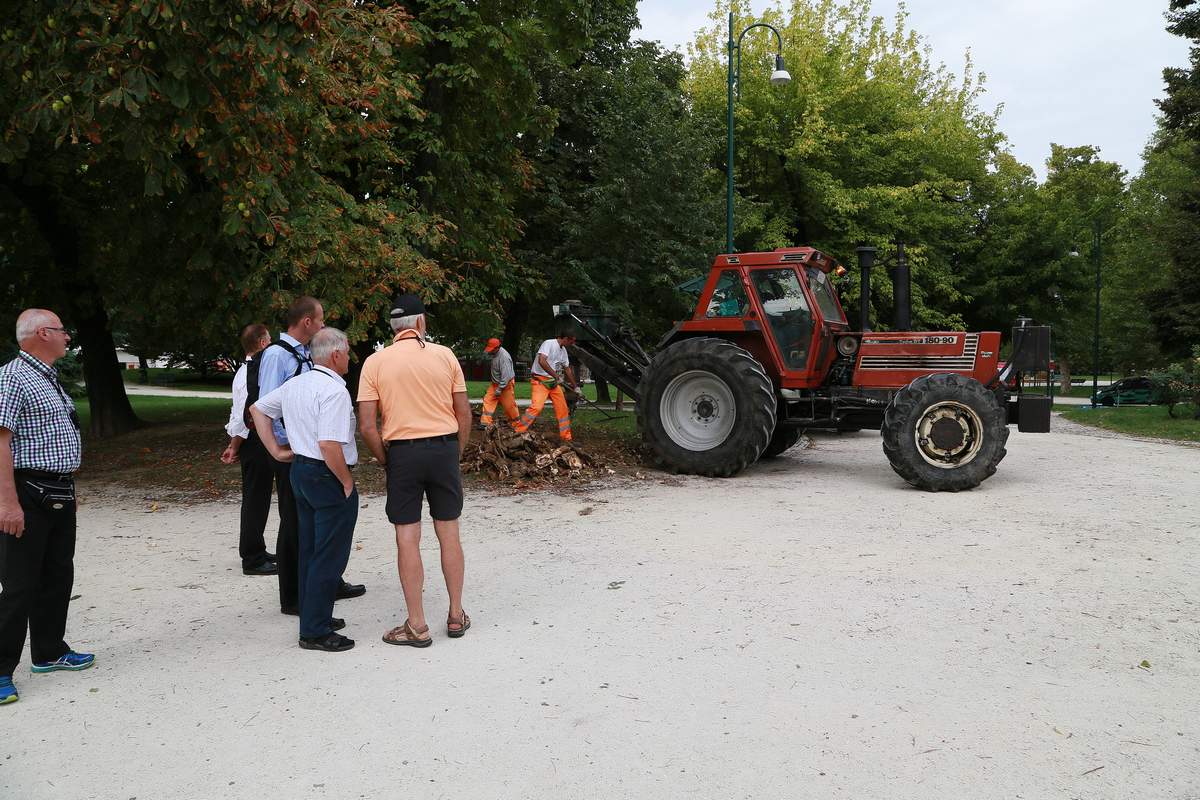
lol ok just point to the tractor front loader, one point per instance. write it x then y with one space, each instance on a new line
768 353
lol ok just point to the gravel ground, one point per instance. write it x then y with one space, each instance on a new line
812 628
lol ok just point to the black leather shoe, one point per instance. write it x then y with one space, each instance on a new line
330 643
271 558
337 624
348 590
265 568
291 611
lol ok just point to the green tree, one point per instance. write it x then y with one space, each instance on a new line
1175 304
622 211
481 104
202 162
871 142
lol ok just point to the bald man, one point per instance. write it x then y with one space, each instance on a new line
39 454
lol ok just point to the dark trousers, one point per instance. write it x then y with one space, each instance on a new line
257 478
287 549
326 528
36 575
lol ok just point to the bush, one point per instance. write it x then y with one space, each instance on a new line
1180 384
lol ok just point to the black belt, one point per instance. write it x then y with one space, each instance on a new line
318 461
41 474
445 437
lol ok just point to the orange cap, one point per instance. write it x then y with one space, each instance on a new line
493 345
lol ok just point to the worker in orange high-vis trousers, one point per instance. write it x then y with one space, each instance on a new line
503 391
551 357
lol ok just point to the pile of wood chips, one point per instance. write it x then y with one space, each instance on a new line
503 454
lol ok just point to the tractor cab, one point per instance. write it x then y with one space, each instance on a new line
786 294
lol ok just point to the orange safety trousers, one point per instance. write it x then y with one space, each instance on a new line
539 392
506 399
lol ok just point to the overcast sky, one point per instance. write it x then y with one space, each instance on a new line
1067 71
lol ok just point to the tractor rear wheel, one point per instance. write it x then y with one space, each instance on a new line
944 433
784 439
706 407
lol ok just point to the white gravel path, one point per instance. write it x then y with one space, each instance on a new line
811 629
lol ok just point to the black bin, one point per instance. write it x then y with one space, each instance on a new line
1033 413
1031 348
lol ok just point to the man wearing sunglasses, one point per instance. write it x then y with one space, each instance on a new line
39 454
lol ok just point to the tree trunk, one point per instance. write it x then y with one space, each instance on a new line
602 393
516 319
1064 373
144 369
111 412
360 350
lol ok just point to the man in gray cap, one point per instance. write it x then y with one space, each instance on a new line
416 388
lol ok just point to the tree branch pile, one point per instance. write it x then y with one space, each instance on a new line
504 454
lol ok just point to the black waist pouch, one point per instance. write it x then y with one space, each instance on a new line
53 494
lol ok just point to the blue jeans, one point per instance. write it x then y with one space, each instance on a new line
326 530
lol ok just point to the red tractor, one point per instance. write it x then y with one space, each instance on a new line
768 353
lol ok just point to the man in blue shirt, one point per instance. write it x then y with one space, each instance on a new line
277 364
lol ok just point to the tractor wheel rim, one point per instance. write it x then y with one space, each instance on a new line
949 434
697 410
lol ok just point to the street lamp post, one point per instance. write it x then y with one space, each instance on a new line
778 77
1096 330
1098 258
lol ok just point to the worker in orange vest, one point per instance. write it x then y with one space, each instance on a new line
551 357
503 390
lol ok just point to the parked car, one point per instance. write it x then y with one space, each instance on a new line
1129 391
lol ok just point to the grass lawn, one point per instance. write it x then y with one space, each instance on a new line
1150 421
477 389
165 410
185 379
177 450
188 380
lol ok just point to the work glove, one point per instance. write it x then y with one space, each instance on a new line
498 389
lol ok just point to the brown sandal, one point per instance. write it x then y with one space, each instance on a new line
461 630
407 635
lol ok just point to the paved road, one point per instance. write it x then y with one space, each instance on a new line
813 628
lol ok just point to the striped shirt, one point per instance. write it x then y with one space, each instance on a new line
38 411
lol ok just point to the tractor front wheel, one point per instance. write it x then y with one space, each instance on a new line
784 439
706 407
944 433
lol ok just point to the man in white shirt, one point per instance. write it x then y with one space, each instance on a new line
258 476
322 451
543 382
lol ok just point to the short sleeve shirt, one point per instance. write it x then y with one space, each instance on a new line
316 408
555 353
277 365
414 382
38 411
236 427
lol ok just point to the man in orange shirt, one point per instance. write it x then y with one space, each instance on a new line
417 388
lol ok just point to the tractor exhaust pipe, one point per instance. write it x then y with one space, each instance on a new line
901 290
866 259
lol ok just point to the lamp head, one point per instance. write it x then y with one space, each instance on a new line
780 76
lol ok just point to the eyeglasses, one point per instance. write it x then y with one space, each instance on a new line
60 330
